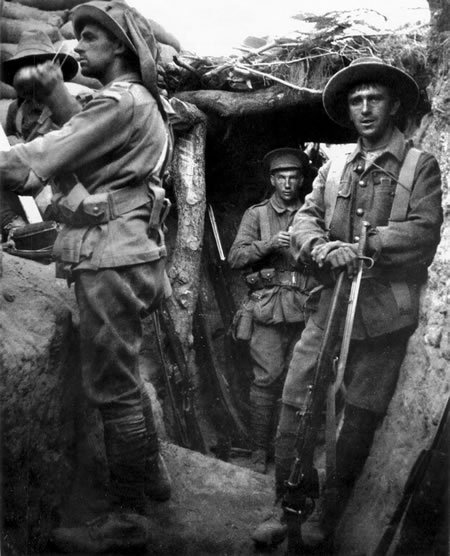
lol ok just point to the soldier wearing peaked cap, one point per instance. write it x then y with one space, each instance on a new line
396 189
108 161
272 317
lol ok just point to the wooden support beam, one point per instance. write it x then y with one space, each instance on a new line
235 104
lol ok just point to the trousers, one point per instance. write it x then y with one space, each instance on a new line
371 374
271 349
112 303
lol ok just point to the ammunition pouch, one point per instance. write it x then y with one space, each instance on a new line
269 277
79 208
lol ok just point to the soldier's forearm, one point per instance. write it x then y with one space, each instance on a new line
62 105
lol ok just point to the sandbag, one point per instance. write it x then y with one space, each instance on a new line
52 5
166 53
6 91
163 36
11 29
18 11
67 31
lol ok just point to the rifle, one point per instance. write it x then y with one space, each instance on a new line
302 485
417 510
230 417
237 353
178 384
220 276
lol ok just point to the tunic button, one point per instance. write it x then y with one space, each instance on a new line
362 183
360 211
95 209
356 238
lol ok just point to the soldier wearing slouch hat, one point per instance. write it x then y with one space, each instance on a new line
396 188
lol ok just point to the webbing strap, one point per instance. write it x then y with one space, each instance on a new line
127 199
402 296
158 194
404 185
332 187
264 222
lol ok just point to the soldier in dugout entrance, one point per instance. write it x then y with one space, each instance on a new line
272 317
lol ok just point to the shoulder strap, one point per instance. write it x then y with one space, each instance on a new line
333 184
264 221
404 185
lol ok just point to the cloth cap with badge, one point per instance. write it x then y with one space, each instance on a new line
285 158
35 47
367 70
132 29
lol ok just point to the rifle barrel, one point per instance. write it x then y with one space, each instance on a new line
212 220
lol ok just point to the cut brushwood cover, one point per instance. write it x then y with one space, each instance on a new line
308 56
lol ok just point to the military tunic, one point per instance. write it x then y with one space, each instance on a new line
116 143
278 310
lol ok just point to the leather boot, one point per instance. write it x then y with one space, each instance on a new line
262 407
126 445
109 532
273 529
158 485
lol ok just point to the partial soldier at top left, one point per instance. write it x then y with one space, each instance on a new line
28 117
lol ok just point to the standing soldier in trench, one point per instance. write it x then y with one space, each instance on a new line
397 190
273 316
107 161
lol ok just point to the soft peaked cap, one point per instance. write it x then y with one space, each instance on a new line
284 159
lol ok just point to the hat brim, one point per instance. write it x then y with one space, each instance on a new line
68 64
303 158
334 95
84 13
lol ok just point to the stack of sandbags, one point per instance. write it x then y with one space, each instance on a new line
48 16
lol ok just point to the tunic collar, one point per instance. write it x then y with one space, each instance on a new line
396 147
129 76
280 208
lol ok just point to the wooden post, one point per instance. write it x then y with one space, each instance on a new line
188 171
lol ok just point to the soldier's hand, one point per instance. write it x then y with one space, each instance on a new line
320 252
281 240
38 82
345 256
338 255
